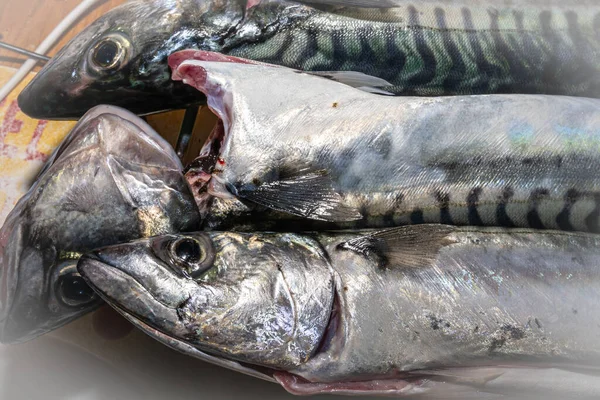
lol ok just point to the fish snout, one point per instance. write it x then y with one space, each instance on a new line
41 100
117 272
127 277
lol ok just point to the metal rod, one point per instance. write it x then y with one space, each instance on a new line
186 130
28 53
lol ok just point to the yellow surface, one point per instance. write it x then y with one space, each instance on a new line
25 144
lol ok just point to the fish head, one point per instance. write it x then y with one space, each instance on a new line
112 180
260 299
264 153
121 59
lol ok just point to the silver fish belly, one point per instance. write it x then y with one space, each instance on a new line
112 180
420 48
412 310
322 151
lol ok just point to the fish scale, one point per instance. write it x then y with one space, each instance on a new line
418 47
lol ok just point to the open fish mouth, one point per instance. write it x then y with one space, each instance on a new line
204 173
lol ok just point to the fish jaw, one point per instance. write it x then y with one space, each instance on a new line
205 173
211 175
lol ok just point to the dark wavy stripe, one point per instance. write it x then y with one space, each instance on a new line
367 59
309 50
458 69
563 219
427 74
363 222
339 52
472 204
485 69
278 56
501 214
531 51
396 57
388 219
443 200
416 217
533 216
580 71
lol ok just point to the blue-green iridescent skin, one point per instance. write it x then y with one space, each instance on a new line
422 48
441 49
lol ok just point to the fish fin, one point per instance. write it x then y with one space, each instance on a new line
353 78
406 246
353 3
375 91
307 194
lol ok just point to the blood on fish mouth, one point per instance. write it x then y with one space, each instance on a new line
202 173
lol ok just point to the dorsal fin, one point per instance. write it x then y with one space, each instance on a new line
406 246
358 80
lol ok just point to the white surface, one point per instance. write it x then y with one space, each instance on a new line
74 363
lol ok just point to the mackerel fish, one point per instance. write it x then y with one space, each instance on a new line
112 180
435 310
428 48
316 154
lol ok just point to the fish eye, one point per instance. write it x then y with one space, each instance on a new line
192 256
73 291
109 53
188 250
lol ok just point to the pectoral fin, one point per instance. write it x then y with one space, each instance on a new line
407 246
307 194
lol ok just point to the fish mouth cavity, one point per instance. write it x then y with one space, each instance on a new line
204 173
